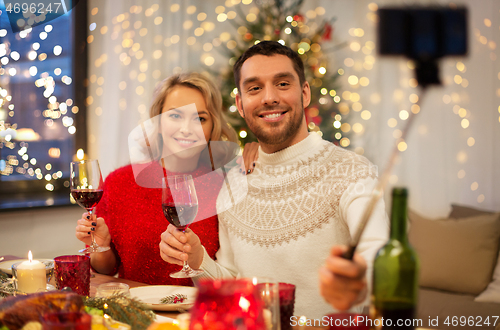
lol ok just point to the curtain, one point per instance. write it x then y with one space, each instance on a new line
452 152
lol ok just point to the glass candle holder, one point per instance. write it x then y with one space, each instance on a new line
267 289
49 270
228 304
112 288
287 304
73 271
29 278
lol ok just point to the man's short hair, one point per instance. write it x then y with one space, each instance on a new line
269 48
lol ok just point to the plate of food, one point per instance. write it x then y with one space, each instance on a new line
6 266
166 297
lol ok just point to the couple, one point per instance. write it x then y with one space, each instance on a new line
300 209
304 198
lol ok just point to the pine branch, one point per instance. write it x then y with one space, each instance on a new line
7 288
127 310
173 299
3 277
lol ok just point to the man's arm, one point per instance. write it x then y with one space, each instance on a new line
355 275
224 266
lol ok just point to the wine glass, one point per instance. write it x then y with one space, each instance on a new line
86 189
180 206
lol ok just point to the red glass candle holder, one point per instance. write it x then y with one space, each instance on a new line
228 304
267 289
287 303
347 321
74 272
66 321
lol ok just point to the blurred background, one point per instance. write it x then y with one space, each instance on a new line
95 84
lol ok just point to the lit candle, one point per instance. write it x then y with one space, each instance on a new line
30 275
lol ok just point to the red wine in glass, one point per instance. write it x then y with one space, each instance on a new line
86 189
87 198
177 215
180 206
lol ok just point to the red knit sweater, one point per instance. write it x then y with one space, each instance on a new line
135 220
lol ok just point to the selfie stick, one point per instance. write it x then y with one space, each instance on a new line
425 35
378 191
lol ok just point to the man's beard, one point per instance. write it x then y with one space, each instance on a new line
280 132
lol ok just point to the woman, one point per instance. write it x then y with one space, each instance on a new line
129 216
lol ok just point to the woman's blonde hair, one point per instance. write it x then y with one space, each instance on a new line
221 130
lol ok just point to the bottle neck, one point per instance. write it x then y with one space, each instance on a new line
398 218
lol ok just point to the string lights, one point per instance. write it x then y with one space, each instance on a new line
21 63
356 70
354 105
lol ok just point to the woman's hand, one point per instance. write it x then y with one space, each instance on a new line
177 247
86 225
250 156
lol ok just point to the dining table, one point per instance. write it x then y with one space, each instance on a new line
98 279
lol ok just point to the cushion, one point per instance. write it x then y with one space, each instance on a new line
456 255
492 292
439 304
462 211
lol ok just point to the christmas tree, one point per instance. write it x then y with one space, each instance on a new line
283 21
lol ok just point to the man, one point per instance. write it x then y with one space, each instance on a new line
304 196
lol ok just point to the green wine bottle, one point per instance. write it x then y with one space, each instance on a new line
395 274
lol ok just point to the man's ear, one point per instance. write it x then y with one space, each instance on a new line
239 105
306 94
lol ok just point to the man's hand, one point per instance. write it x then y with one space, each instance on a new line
177 247
342 281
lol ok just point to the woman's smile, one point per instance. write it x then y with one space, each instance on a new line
185 142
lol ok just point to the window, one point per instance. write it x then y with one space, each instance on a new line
42 112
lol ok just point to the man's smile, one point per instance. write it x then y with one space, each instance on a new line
272 116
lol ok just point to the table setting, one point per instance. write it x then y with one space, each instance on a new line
66 293
65 290
156 304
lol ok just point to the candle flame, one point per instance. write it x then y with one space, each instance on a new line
244 304
30 256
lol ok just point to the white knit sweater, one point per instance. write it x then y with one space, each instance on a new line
300 202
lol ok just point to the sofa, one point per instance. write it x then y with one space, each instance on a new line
459 269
